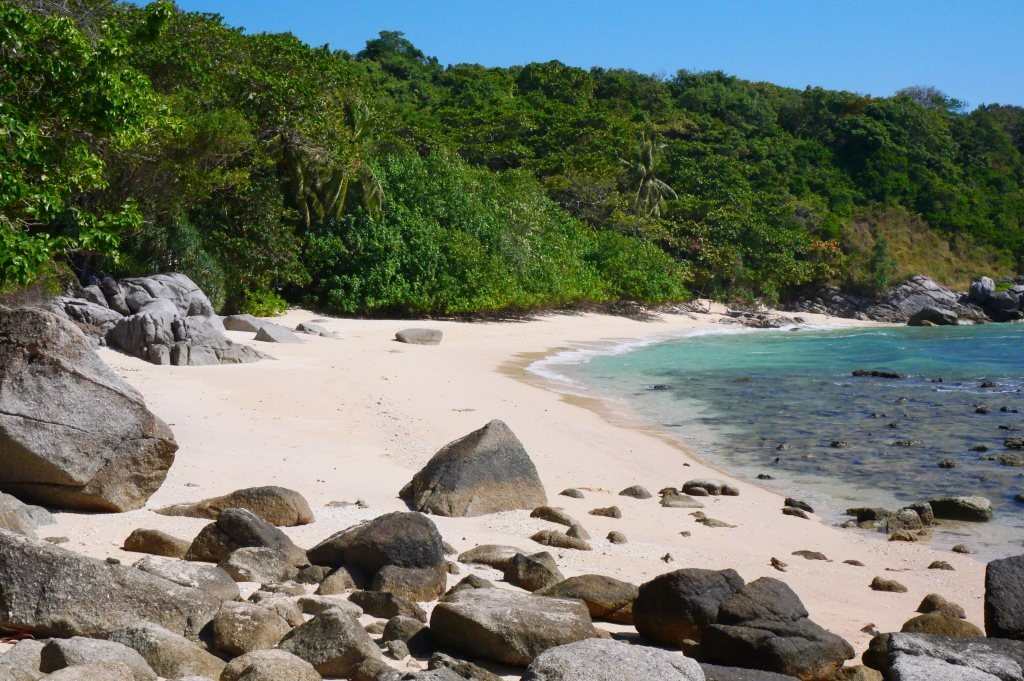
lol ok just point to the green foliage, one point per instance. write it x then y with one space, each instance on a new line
263 304
134 140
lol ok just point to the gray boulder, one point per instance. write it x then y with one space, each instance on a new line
496 556
311 329
275 333
419 336
22 661
714 672
1003 306
237 528
20 517
71 652
386 605
107 671
973 509
243 322
207 578
507 627
276 505
73 434
902 301
981 290
935 316
241 628
176 288
168 654
269 665
1004 598
922 657
484 472
607 660
47 590
333 642
258 564
414 584
681 604
533 572
94 320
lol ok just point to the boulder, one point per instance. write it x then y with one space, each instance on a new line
553 515
533 572
975 509
934 316
414 633
714 672
506 626
981 290
20 517
636 491
385 605
712 487
560 540
71 652
680 501
468 582
237 528
108 671
941 624
420 336
461 668
917 657
1004 598
496 556
400 539
168 654
187 298
73 434
258 564
890 585
311 329
207 578
339 581
49 591
936 603
315 605
156 543
269 665
1003 306
94 320
412 583
243 322
608 660
607 512
484 472
681 604
21 662
276 505
333 642
241 628
900 302
274 333
607 599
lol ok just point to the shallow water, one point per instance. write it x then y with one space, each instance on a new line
775 402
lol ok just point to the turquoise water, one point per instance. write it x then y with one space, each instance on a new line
774 402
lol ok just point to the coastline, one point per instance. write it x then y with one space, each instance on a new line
355 417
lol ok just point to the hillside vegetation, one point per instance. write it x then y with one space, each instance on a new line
140 140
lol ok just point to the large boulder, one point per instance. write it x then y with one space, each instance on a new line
533 572
155 543
935 316
187 298
333 642
72 652
922 657
237 528
276 505
208 578
484 472
46 590
420 336
765 626
170 655
240 628
243 322
679 605
972 509
496 556
269 665
904 300
714 672
106 671
606 598
275 333
73 434
20 517
258 564
981 290
398 538
1004 598
505 626
94 320
607 660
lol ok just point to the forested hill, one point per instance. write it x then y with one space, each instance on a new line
143 140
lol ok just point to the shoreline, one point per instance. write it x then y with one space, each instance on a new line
355 417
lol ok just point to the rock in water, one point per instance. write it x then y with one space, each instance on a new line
72 433
1004 598
419 336
981 290
933 315
973 509
606 660
277 505
47 590
507 627
484 472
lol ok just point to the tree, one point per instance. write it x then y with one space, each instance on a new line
651 192
933 98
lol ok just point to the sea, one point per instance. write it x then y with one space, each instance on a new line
784 404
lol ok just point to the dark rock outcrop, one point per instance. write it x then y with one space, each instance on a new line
681 604
73 434
1004 598
934 316
484 472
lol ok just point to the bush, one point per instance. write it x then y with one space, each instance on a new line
263 304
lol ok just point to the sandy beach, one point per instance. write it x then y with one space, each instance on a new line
354 417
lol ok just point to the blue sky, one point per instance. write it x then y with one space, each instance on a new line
971 49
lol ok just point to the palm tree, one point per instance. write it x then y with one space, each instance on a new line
651 192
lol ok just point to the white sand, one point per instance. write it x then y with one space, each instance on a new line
355 417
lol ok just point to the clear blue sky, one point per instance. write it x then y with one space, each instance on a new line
971 49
